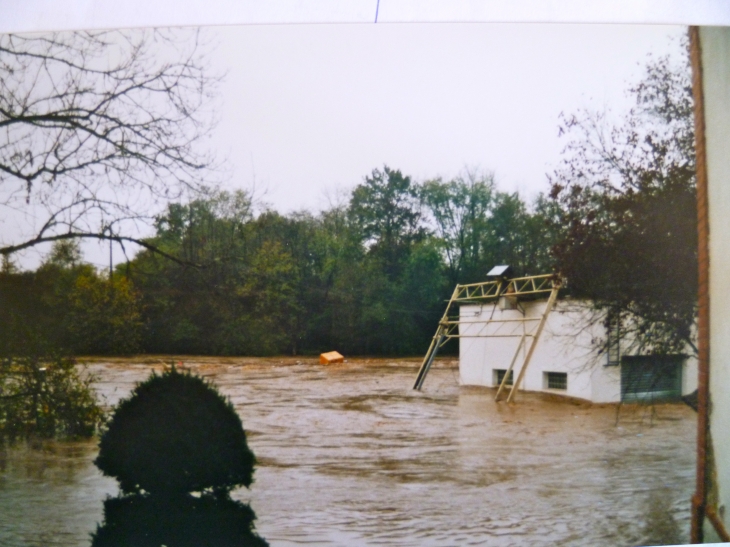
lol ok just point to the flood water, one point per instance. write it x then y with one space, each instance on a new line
349 454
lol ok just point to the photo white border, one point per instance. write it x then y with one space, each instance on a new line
45 15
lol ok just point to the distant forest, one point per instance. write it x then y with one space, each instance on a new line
223 275
369 276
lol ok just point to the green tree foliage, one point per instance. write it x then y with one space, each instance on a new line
366 276
506 238
460 210
392 285
65 254
478 226
67 306
102 316
629 230
175 434
270 291
28 324
41 393
384 208
46 397
244 296
208 230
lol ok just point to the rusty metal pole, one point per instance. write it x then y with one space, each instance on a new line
699 500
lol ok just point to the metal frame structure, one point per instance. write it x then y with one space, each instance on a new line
487 291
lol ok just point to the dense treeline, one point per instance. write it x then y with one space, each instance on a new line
67 306
366 277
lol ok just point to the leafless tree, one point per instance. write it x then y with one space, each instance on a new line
97 129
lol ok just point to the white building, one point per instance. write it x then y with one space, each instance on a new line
564 361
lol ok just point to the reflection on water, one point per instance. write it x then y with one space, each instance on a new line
180 521
50 494
349 454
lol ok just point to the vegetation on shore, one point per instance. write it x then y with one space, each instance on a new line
366 277
46 397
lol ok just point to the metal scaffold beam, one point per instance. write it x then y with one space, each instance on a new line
487 291
533 345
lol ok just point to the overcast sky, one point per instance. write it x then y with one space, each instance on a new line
306 110
309 108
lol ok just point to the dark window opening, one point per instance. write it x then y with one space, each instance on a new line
651 377
499 376
557 380
613 348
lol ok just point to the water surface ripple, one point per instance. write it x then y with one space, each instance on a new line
350 455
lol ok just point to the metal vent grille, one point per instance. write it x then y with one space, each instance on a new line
651 377
557 380
499 376
613 344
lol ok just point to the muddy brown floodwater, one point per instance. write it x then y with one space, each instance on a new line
350 455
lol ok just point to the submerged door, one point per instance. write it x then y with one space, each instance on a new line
647 378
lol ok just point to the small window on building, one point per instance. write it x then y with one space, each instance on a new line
556 380
613 339
499 376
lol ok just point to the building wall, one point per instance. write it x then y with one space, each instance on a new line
715 42
689 376
566 345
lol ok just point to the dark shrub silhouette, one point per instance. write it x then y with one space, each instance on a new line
185 521
176 434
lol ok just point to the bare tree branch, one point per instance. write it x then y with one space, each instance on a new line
78 235
98 128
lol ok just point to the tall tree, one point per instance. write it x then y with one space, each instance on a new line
385 209
459 209
478 227
185 307
97 128
629 240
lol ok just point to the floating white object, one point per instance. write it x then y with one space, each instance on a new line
330 357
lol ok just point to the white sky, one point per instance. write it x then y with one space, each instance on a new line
307 109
